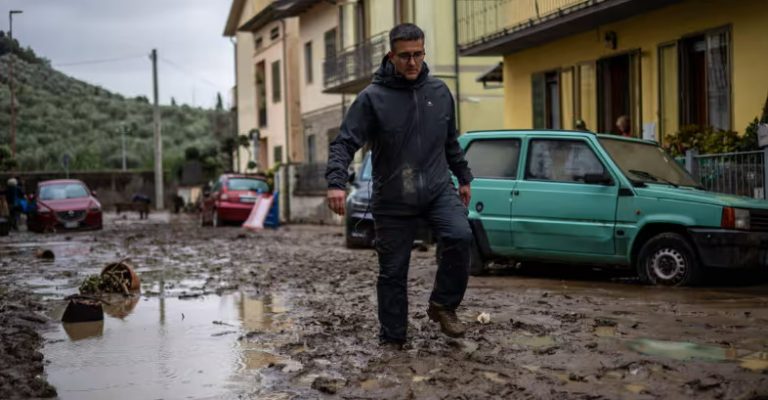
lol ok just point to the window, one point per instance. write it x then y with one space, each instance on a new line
330 44
276 81
705 77
258 42
618 83
261 93
546 100
256 185
274 33
494 158
360 23
311 144
277 154
308 62
63 191
561 161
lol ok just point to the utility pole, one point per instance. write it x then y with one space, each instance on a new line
10 83
158 138
122 138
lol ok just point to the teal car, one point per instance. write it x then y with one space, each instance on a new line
581 198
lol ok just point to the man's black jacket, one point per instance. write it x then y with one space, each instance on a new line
412 131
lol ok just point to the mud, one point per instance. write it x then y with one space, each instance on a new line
291 314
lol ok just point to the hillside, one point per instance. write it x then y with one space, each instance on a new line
58 114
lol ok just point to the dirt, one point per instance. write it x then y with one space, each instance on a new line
552 332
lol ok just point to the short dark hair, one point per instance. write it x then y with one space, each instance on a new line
405 32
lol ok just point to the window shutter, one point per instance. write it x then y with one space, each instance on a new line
538 90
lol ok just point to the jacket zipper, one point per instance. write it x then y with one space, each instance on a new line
418 145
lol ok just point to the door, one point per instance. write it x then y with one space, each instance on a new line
555 211
495 165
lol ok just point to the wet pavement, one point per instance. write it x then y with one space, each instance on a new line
225 313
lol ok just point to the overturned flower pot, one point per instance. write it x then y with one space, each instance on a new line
126 274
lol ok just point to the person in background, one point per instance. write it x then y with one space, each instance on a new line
624 126
581 125
13 196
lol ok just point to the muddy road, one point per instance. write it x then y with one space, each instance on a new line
290 313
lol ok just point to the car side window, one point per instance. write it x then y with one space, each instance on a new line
561 160
496 158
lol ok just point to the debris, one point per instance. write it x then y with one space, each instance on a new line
83 309
45 254
127 271
328 385
484 318
118 277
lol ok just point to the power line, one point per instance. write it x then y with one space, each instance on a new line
190 73
101 61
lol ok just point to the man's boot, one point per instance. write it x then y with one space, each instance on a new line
449 322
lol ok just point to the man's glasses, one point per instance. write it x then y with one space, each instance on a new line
406 57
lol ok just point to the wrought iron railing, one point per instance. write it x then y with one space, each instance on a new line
743 173
355 63
482 20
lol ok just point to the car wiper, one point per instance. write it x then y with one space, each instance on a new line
648 175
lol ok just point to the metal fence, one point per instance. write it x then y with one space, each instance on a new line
743 173
356 62
480 20
310 179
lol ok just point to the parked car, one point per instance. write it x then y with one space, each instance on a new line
64 204
231 199
358 218
580 198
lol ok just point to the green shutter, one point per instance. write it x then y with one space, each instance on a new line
539 98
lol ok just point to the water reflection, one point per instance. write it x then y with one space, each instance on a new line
156 347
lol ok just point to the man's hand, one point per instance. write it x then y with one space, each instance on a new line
337 199
465 193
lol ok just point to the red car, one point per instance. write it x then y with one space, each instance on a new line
64 204
231 199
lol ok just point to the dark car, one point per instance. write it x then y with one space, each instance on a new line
231 199
64 204
358 220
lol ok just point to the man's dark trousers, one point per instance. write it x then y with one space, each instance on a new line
394 241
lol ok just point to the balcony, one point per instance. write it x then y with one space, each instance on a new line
498 27
351 70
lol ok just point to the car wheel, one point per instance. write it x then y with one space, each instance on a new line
216 222
668 259
477 266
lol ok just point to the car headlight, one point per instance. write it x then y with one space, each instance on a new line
94 208
735 218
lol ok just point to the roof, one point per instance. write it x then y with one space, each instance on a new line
562 132
495 74
235 11
276 10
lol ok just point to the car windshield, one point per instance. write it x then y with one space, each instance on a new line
646 162
61 191
256 185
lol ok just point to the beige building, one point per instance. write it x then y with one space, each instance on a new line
363 32
267 93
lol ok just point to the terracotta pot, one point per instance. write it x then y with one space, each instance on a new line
127 269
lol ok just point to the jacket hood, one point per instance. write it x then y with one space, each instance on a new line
386 75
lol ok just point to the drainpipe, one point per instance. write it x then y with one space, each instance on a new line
456 63
287 180
236 122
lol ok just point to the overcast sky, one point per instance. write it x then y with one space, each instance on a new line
196 61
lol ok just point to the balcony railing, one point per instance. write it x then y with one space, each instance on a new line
351 69
481 20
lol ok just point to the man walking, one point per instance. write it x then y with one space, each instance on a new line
408 118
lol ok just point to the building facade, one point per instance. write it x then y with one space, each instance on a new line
663 63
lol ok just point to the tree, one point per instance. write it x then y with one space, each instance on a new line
7 163
173 102
219 103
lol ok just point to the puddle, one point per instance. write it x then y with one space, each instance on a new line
748 359
154 347
532 341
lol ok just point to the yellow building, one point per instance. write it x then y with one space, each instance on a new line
363 31
664 63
